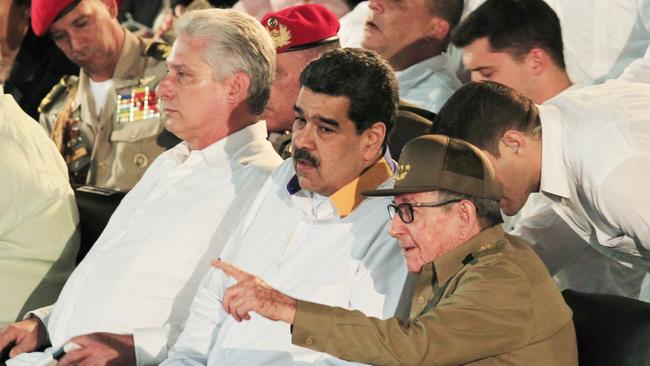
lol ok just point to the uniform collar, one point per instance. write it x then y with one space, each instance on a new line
554 179
449 264
349 197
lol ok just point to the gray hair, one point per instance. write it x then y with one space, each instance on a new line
237 42
487 209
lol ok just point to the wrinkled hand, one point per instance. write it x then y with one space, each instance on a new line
251 293
25 336
101 349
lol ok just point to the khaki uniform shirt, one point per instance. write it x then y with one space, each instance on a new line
122 141
490 301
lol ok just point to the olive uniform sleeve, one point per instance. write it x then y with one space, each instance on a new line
490 311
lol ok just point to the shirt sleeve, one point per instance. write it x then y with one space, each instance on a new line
490 312
152 344
201 328
624 200
42 313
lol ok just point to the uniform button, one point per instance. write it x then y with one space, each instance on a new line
140 160
420 300
309 341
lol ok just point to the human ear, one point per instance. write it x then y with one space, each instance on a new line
467 219
438 29
538 60
238 86
373 139
513 141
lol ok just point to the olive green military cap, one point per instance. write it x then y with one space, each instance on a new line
433 162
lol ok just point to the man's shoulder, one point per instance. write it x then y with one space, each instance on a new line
55 98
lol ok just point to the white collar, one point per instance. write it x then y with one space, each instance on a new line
227 148
554 177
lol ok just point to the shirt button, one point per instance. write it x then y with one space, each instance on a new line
420 300
309 341
140 160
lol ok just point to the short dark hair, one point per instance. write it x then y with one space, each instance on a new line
449 10
361 75
514 26
481 112
488 211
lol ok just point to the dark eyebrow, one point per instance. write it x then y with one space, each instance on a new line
329 121
479 68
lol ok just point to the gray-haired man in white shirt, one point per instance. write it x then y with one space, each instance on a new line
125 303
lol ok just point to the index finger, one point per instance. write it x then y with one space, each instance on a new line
231 270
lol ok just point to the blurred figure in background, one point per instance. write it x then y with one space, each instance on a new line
38 225
413 36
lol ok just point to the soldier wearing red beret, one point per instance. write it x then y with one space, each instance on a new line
301 33
106 121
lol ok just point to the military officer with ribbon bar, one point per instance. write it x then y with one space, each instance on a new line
106 122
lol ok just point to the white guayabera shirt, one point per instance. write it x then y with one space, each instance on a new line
141 274
309 247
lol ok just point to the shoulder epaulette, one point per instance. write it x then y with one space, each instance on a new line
157 50
489 249
65 84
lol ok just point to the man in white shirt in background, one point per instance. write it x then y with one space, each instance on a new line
519 43
126 301
586 151
311 232
413 36
38 226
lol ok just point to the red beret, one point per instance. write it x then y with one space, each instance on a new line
301 26
45 12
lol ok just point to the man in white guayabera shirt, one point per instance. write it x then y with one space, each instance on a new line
125 302
311 232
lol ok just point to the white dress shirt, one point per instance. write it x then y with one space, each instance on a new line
602 37
38 226
639 70
298 243
595 165
429 83
141 275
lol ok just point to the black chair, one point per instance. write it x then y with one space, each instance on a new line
611 330
96 205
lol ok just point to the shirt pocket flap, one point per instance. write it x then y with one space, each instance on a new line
135 131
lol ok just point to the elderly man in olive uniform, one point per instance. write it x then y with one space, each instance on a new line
483 296
106 122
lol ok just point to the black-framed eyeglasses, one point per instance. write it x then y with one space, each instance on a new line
405 210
